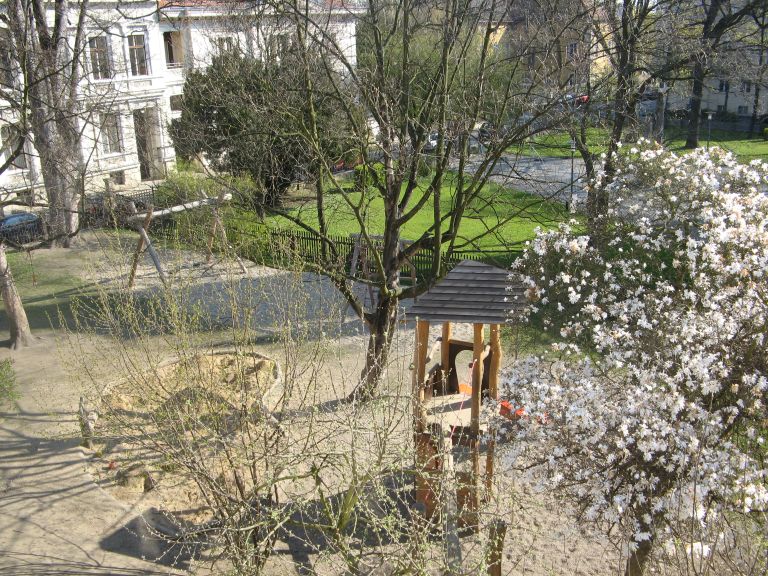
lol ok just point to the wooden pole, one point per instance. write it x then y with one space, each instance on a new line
493 390
445 353
419 373
137 254
451 541
153 254
495 552
474 446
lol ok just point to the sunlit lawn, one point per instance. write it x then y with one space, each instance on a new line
558 144
501 218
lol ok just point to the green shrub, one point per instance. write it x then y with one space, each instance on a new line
8 391
185 187
424 168
365 177
765 133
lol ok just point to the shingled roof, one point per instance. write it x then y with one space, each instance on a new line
472 292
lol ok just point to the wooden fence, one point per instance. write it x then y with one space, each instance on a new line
284 248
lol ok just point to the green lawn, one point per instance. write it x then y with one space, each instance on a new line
558 144
516 214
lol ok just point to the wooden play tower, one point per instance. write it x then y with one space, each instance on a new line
447 398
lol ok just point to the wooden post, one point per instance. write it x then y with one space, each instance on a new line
495 551
419 373
445 352
474 445
139 246
493 391
153 254
451 540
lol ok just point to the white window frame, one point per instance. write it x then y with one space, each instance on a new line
133 51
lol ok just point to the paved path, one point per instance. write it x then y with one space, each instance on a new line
53 518
545 176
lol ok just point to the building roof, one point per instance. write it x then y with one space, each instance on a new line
472 292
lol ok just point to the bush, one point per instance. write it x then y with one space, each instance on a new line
424 169
365 177
185 187
765 133
8 392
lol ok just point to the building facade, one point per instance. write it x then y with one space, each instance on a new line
134 64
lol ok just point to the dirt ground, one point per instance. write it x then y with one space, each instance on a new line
71 512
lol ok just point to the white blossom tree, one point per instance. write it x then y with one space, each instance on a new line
653 407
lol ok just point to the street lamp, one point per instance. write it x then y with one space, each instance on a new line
709 128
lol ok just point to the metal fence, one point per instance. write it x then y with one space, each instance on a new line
286 248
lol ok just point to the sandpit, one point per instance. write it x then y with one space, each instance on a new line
149 422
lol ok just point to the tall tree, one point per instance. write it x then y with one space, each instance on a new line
716 19
49 49
439 68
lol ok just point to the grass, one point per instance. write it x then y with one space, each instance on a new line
558 144
45 278
517 214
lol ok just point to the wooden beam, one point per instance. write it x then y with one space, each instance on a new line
445 348
176 209
477 384
493 377
493 392
419 373
495 550
139 246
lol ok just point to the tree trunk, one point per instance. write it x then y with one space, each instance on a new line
382 328
694 116
638 560
21 335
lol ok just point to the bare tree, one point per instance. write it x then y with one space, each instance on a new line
49 56
419 69
715 19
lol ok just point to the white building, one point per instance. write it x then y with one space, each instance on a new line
135 63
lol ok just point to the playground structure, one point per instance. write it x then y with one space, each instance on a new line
141 222
446 410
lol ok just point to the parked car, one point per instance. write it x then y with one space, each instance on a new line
431 143
21 228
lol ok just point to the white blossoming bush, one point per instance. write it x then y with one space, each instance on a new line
654 416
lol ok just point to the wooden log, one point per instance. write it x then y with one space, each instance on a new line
176 209
495 551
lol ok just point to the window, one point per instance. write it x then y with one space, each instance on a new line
10 136
570 50
175 102
117 177
97 49
723 86
225 45
746 86
743 110
138 55
26 196
7 67
174 55
110 133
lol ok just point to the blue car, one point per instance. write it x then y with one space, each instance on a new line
21 228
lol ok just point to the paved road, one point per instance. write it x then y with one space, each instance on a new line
542 175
